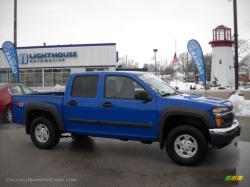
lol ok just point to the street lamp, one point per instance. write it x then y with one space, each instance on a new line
155 51
15 24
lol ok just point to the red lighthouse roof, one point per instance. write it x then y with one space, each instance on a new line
222 37
222 27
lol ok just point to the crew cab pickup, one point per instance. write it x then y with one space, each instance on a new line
128 106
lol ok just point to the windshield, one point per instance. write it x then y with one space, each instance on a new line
157 84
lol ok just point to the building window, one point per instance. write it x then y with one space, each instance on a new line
65 76
29 78
22 76
4 76
57 77
35 77
48 77
38 78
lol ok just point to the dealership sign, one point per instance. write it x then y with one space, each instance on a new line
196 53
9 51
25 58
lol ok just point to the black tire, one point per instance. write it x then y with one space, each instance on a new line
7 116
47 125
193 134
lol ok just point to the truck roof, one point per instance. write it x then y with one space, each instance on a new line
115 72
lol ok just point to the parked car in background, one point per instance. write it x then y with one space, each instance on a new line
6 91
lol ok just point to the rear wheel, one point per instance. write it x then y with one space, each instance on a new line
186 145
7 116
43 133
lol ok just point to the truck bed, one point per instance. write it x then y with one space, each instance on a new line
20 102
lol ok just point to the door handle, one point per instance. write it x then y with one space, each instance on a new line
72 103
107 104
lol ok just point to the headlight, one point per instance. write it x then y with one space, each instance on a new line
218 112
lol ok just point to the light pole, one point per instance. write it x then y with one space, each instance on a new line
155 51
236 63
15 33
15 24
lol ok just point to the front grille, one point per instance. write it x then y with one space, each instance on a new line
230 108
228 119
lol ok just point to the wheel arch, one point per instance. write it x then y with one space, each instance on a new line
172 118
34 110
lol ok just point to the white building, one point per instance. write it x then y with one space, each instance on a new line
47 66
222 56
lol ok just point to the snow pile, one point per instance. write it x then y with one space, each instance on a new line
184 86
57 88
241 106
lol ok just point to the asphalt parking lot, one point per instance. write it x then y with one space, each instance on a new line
108 162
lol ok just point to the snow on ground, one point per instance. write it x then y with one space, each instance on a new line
241 105
57 88
183 86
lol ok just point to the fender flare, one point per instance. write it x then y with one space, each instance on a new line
46 107
181 111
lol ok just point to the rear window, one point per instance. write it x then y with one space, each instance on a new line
85 86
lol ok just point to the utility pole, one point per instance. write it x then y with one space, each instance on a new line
15 23
236 62
15 34
187 65
126 61
155 51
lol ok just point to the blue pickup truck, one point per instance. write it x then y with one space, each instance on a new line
128 106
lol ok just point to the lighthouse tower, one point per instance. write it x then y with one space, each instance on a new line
222 68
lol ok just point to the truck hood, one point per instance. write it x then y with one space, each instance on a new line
204 99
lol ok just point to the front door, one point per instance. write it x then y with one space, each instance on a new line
124 116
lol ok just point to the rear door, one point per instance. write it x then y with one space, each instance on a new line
81 111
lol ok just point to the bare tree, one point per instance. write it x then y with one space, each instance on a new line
183 61
169 70
243 48
208 63
132 64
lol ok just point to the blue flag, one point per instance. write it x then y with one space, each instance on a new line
10 53
195 51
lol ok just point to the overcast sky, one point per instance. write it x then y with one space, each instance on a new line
136 26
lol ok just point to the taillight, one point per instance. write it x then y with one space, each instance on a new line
19 104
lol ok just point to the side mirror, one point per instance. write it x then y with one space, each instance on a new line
142 95
177 88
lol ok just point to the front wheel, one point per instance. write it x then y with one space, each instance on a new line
186 145
43 133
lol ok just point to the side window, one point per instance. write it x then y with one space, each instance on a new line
16 90
120 87
85 86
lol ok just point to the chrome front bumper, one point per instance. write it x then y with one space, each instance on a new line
223 136
225 130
